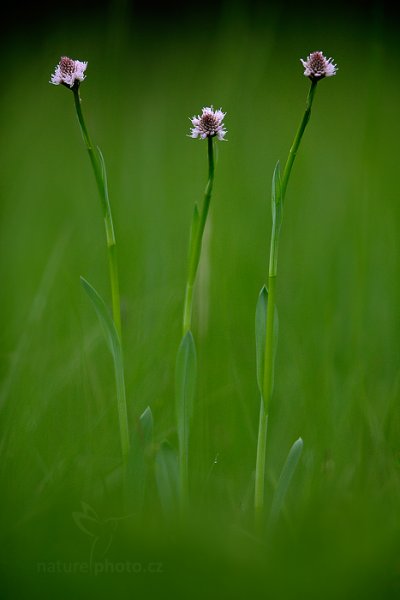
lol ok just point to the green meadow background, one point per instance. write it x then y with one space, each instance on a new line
338 295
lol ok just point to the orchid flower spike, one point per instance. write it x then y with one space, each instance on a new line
69 72
317 67
209 124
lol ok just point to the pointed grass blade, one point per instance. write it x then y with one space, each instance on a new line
260 329
114 343
138 460
261 325
285 479
185 384
167 478
110 332
277 200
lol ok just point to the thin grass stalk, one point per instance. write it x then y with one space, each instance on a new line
269 333
195 245
196 239
98 167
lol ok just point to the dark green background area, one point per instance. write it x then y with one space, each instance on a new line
338 296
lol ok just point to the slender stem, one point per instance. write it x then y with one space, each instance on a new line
114 282
97 163
198 225
269 342
122 408
264 404
108 220
298 137
183 479
187 310
89 146
260 465
196 239
269 335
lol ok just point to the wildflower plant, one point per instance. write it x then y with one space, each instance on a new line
70 73
316 67
207 126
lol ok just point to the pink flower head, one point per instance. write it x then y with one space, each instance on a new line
317 67
69 72
209 124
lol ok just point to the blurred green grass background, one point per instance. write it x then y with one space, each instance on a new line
337 372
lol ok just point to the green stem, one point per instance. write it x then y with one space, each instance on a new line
269 334
108 220
298 137
89 146
196 238
114 282
122 408
183 479
269 343
260 465
97 163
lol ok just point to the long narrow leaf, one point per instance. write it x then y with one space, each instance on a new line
114 344
167 477
185 383
277 200
285 478
104 316
195 225
106 202
260 328
137 464
261 321
104 178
